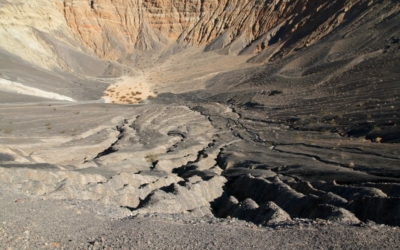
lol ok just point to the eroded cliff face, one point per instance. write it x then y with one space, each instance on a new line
113 29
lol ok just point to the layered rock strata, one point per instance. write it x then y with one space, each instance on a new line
47 33
113 29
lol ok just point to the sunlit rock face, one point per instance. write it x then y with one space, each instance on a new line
113 28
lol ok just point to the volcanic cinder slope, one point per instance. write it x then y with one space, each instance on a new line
281 113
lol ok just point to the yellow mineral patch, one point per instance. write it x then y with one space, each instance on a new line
121 92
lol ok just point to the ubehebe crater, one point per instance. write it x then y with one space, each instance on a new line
268 111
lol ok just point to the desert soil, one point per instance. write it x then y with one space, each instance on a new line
36 223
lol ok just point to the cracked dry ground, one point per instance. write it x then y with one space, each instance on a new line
202 159
182 158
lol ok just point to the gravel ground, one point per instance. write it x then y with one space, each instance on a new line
31 223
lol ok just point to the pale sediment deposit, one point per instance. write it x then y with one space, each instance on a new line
18 88
130 90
